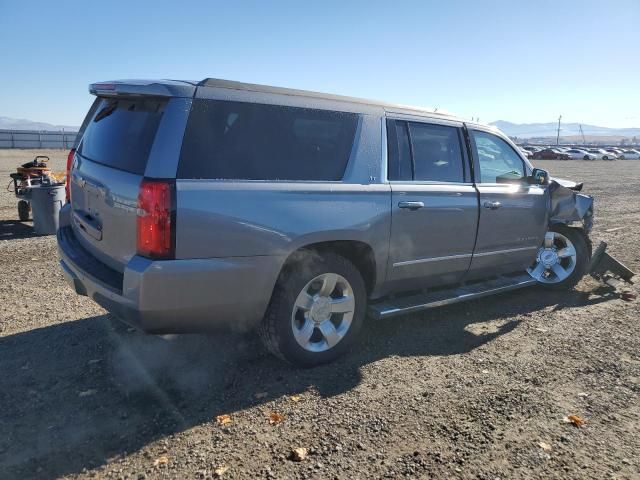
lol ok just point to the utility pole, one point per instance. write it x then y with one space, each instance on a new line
584 142
558 135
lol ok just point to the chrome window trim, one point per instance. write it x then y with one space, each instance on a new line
431 183
509 250
431 259
464 255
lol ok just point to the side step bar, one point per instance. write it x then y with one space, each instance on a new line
415 303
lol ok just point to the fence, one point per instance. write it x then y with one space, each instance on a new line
34 139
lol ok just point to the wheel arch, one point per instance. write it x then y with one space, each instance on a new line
360 253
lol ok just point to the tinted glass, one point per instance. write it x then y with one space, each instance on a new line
399 151
499 163
251 141
437 155
121 132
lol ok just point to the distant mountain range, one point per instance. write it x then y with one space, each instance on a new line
8 123
529 130
521 130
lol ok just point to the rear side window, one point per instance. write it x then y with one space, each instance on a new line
252 141
121 132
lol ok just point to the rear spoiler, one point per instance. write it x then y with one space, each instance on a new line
135 88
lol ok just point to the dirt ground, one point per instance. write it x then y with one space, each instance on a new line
476 390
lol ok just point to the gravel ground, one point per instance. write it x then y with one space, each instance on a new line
476 390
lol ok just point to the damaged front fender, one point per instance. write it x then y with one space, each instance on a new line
568 206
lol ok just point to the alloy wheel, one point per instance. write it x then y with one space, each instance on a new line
323 312
555 260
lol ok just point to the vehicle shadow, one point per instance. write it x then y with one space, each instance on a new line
79 393
12 229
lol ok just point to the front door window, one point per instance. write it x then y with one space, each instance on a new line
499 163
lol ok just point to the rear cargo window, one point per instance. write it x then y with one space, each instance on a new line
251 141
121 133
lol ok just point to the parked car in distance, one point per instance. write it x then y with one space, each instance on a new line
579 154
550 154
297 213
524 152
532 148
614 153
602 154
630 155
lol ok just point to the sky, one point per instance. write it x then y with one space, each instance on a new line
521 61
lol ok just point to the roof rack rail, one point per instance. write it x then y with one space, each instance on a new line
252 87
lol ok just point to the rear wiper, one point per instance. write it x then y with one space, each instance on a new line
106 111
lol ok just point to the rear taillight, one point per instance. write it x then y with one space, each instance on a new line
156 219
67 185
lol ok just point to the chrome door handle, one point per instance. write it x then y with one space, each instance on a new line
492 205
411 205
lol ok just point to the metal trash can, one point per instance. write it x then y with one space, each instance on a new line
46 202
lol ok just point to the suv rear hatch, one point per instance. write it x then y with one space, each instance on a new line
109 166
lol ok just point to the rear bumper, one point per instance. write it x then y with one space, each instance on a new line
174 296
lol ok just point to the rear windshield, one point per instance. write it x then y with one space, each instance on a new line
251 141
121 132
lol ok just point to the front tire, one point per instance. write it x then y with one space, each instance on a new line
562 260
316 311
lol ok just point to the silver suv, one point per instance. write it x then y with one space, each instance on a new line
195 205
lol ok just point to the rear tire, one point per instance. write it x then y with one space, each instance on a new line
23 210
563 259
316 311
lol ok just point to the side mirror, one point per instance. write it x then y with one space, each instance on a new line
539 177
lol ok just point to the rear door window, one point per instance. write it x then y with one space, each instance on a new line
121 132
399 151
437 155
251 141
424 152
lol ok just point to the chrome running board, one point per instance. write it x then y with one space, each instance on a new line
415 303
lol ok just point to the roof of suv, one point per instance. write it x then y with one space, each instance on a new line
220 83
182 87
